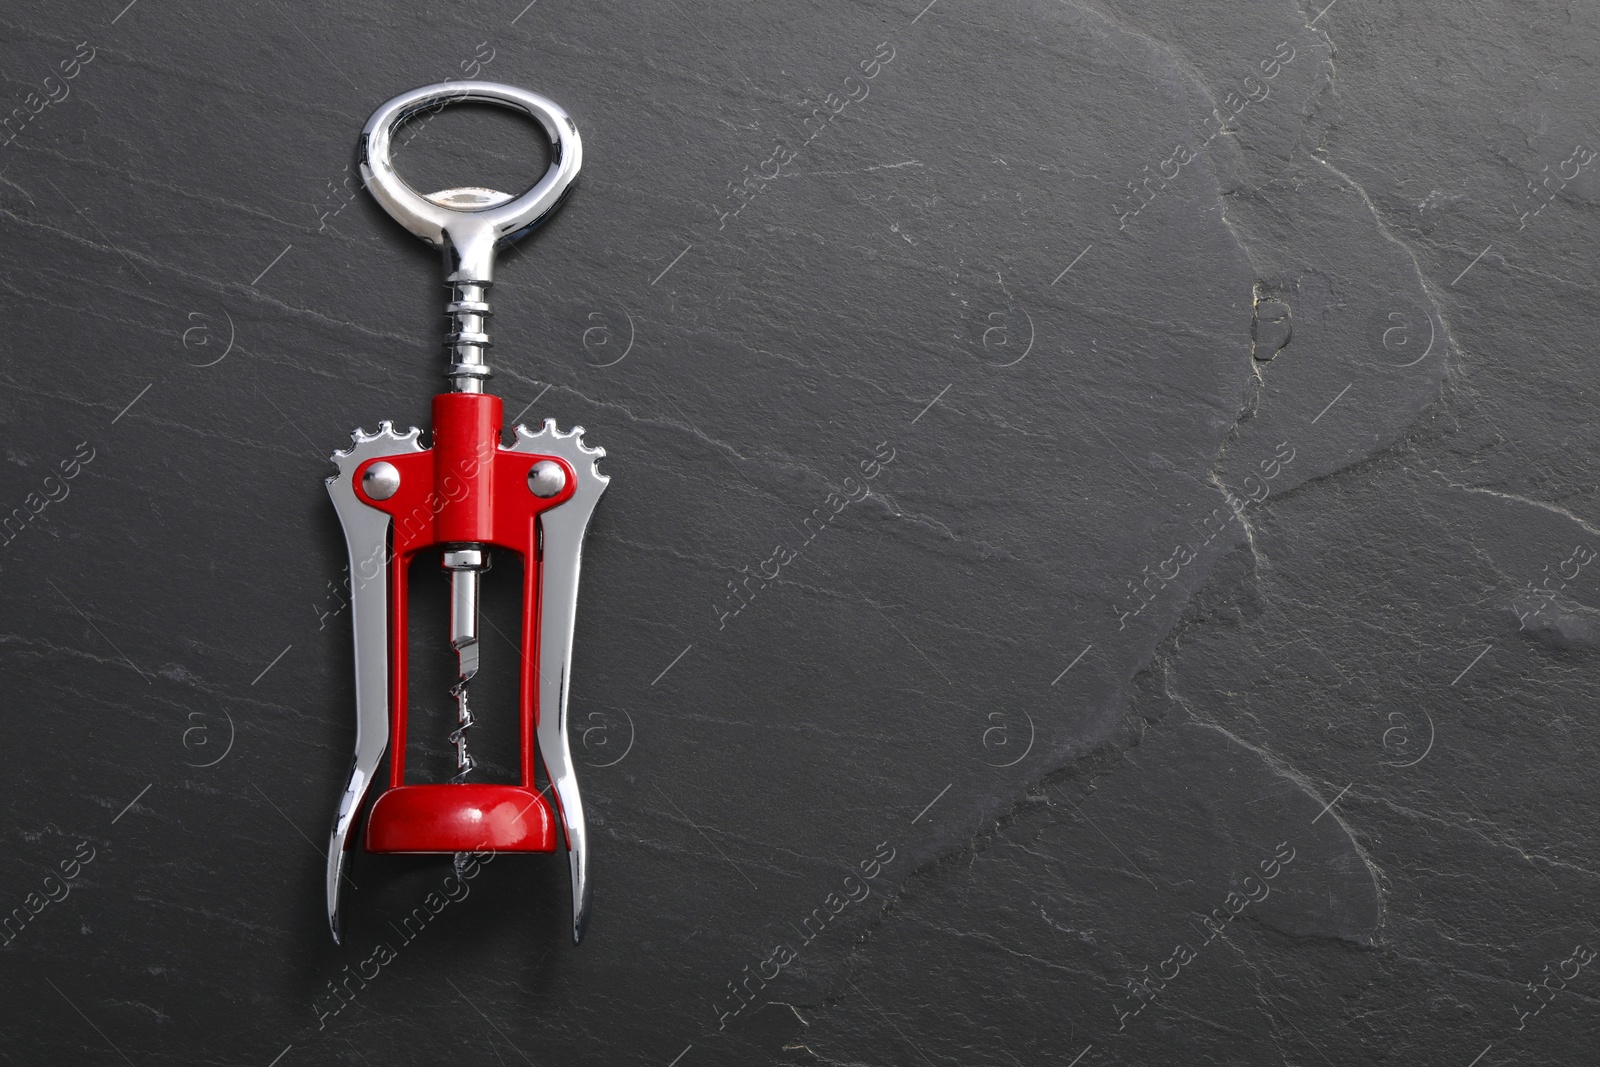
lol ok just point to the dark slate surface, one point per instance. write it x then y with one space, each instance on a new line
1207 679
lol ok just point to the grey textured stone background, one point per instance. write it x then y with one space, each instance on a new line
1235 558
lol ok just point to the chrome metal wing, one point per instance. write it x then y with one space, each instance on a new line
366 533
563 528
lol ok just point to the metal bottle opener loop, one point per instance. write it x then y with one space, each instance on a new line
469 223
463 497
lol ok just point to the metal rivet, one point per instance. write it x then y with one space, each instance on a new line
546 478
381 481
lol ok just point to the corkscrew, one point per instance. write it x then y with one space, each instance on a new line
465 496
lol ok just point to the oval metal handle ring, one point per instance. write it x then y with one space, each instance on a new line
445 219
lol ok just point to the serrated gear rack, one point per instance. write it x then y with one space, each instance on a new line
464 497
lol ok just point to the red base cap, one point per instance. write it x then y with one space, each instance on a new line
461 818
